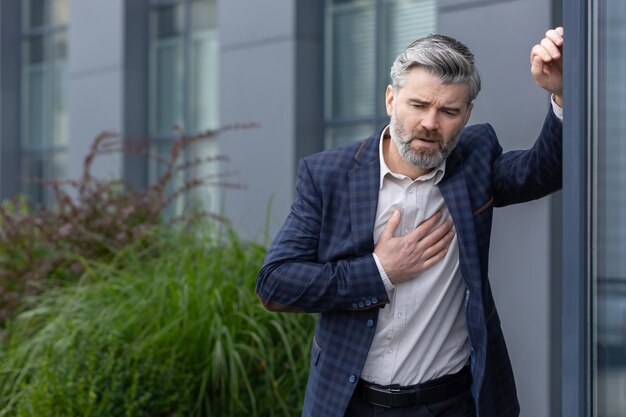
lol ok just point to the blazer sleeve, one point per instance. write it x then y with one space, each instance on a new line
293 278
520 176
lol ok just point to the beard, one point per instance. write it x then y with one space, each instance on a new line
424 158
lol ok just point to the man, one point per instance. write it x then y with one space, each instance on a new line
388 240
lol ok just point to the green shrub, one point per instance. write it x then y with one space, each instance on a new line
174 329
92 218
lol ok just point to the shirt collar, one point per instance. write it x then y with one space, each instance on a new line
436 173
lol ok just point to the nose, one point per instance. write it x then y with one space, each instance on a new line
430 120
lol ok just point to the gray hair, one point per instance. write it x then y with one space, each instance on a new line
444 57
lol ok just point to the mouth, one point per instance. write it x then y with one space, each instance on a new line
426 142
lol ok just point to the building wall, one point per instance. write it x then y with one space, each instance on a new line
271 74
95 77
501 34
266 41
270 70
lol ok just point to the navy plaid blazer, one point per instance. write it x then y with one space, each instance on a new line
321 259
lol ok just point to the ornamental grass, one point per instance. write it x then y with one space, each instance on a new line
169 329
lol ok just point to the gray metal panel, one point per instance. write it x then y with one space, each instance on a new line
270 73
10 59
244 23
309 86
95 106
501 33
135 87
556 303
96 34
257 85
457 5
95 80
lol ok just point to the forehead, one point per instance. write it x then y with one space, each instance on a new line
421 84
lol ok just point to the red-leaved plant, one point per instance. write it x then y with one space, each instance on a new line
92 218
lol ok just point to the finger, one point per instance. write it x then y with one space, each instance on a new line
440 245
541 52
435 236
551 48
560 30
536 69
430 262
424 228
555 35
390 228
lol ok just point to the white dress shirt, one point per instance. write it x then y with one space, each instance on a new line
421 334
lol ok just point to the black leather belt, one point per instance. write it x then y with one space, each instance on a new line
439 389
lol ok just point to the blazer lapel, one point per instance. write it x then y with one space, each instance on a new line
363 186
455 193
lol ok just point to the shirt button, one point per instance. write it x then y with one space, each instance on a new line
370 323
352 379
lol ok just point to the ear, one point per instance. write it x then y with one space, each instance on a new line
389 100
470 107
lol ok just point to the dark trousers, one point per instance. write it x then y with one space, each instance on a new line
460 406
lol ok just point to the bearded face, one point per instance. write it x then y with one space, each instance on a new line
426 118
422 148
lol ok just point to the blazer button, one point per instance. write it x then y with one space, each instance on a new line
352 379
370 323
355 305
374 300
368 302
361 304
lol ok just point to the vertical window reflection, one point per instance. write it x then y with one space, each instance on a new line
44 133
203 68
184 67
184 85
610 212
362 39
168 69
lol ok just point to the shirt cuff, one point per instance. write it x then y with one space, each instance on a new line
558 110
388 285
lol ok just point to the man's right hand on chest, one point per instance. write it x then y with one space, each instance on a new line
404 257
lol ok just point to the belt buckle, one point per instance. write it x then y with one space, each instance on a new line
388 391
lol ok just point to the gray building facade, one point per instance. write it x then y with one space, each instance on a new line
72 68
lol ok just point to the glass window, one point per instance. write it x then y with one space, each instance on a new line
363 37
184 92
608 213
44 122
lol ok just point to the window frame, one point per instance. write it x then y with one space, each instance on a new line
48 149
576 291
158 141
379 117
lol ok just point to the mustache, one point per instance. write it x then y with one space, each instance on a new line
430 135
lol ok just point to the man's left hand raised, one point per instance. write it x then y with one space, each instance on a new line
546 60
